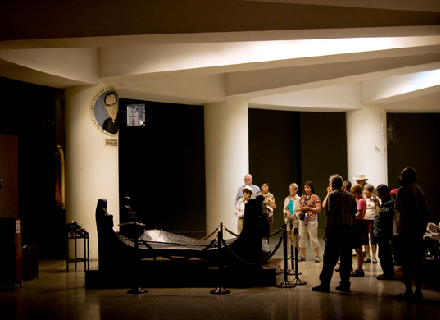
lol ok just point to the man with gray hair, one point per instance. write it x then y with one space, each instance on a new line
340 211
247 182
347 185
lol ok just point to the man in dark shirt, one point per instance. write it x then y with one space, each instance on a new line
340 211
414 216
383 232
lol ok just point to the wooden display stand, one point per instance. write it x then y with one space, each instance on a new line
75 235
11 268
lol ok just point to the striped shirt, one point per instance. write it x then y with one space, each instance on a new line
341 207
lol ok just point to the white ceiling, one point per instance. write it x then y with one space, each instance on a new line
281 55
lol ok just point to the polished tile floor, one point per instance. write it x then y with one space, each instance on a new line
56 294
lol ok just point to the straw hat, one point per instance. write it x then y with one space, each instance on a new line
360 176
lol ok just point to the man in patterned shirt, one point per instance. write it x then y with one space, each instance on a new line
340 211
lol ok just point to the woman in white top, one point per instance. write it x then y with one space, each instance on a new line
291 211
373 208
239 207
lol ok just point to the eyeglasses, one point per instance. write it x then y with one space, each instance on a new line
246 191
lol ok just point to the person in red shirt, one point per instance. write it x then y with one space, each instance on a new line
359 229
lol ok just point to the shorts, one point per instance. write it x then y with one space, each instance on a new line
368 233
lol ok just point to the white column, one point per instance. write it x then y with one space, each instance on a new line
227 159
91 167
367 144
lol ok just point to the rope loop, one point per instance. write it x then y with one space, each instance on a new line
270 235
209 235
231 232
275 232
255 263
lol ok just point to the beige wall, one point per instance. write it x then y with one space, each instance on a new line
91 167
226 159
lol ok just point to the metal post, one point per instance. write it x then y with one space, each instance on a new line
75 252
67 251
289 270
286 283
220 289
297 280
84 235
88 251
293 257
136 289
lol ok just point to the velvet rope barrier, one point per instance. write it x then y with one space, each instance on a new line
254 263
209 235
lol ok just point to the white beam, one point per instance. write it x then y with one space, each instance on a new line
138 60
427 103
78 64
331 98
282 80
393 89
192 89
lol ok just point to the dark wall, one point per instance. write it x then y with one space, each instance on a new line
418 148
9 174
323 151
275 153
28 112
162 166
287 147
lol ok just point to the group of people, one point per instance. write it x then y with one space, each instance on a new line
248 191
368 226
406 216
299 212
355 217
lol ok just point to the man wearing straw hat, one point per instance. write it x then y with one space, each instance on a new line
360 179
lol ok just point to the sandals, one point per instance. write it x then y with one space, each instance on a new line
289 271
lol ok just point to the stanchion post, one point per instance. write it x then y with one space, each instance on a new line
297 280
220 289
293 257
136 289
287 223
285 283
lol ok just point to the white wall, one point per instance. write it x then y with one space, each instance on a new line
366 144
91 167
226 160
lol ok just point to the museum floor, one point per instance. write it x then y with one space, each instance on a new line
56 294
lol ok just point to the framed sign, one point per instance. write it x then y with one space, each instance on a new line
104 111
